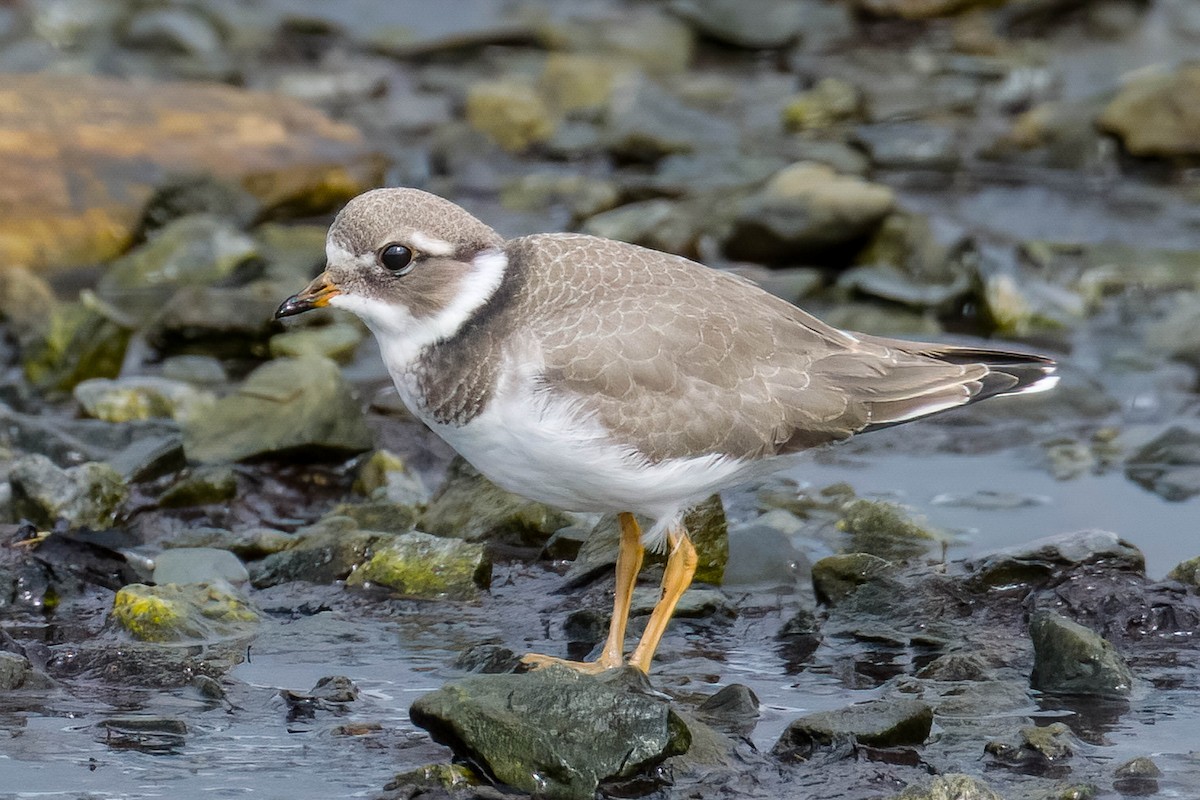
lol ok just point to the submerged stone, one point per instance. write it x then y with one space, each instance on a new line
88 495
182 613
469 506
1037 747
1169 465
286 404
1074 660
554 733
419 565
876 723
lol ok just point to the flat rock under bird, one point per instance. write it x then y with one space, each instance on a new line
600 376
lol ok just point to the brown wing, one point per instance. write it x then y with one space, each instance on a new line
680 360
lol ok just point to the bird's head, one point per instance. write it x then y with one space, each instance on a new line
404 260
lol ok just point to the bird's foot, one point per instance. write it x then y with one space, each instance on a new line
532 661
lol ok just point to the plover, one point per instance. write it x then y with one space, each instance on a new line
599 376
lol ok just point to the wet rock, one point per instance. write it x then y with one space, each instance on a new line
125 399
182 613
884 529
1157 115
541 191
416 782
469 506
183 565
951 786
89 495
837 577
706 525
82 340
761 552
756 24
910 145
199 250
226 322
419 565
1038 749
696 603
829 102
511 113
956 667
646 123
323 553
1187 572
382 515
553 732
805 208
1041 560
338 342
1072 659
386 476
149 734
27 304
566 543
733 708
203 486
1137 777
198 195
875 723
17 673
1169 465
287 404
488 659
151 665
249 544
77 199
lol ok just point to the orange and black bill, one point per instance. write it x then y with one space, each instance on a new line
316 295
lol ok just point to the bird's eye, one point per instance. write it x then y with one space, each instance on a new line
396 258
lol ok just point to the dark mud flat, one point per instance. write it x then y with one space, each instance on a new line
230 563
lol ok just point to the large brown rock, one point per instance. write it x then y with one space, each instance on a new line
1158 115
80 155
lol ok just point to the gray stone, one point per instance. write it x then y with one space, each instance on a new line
384 476
203 486
220 321
14 671
829 102
199 565
876 723
803 210
287 404
890 283
323 553
761 553
150 457
910 145
951 786
646 123
469 506
1037 747
196 370
1169 465
956 667
419 565
125 399
1187 572
1041 559
554 732
886 530
1074 660
733 703
184 31
837 577
745 23
88 495
511 113
338 341
696 603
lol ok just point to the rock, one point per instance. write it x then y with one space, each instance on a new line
761 552
78 173
1187 572
419 565
195 370
706 526
489 659
226 322
469 506
124 399
149 734
696 603
286 404
805 209
829 102
553 732
198 250
88 495
646 123
910 145
837 577
1072 659
1038 748
565 543
659 224
734 707
583 196
432 776
180 196
1169 465
199 565
82 340
956 667
17 673
201 487
323 553
385 476
183 613
150 457
1042 559
755 24
1158 115
27 304
638 36
951 786
875 723
181 31
383 516
338 341
1178 333
884 529
1056 135
248 544
1137 777
577 84
509 112
917 9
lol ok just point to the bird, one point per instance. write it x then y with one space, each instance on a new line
599 376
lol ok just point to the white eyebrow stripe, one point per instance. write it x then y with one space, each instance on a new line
431 245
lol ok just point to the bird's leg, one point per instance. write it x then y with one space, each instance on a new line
681 566
629 563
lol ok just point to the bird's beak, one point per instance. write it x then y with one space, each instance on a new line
316 295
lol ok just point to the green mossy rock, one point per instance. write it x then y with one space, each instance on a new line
183 613
430 567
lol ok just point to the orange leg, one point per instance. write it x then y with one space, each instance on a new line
681 566
629 562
